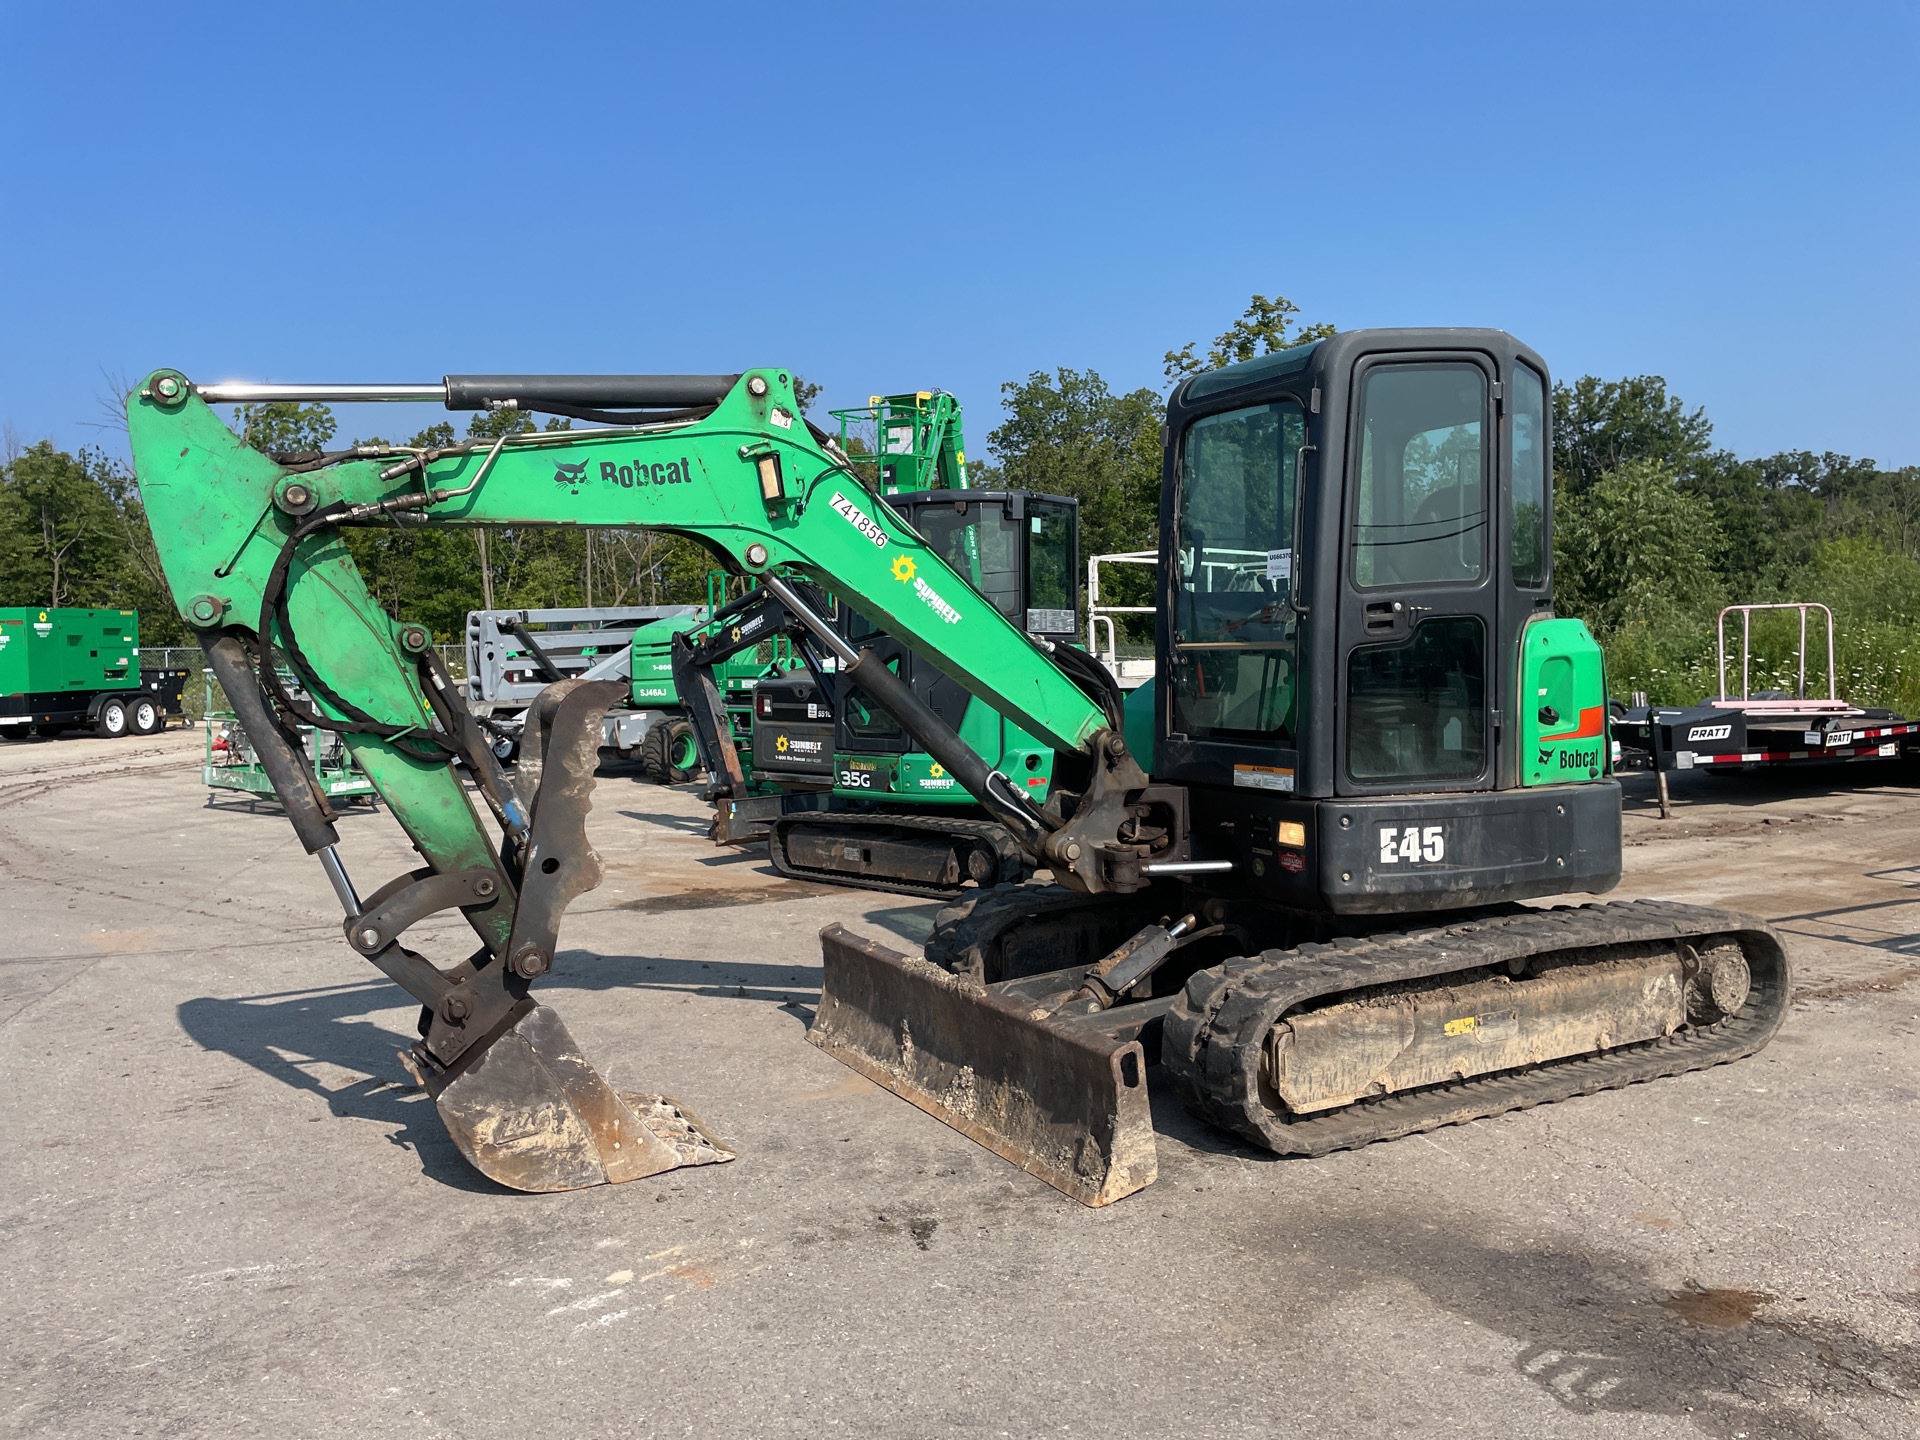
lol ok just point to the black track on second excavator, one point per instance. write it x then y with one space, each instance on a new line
1212 1042
855 822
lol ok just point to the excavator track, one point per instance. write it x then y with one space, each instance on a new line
1215 1040
899 853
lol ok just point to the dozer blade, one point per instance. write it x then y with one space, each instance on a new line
1063 1101
532 1114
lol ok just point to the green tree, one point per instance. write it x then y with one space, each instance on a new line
63 533
1767 531
1069 434
1268 325
1601 425
284 427
1633 548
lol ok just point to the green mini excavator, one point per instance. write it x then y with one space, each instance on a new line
1292 880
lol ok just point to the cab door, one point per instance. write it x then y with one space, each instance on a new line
1419 605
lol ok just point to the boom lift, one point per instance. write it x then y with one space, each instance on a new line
1368 718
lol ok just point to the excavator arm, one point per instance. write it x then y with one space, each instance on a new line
254 552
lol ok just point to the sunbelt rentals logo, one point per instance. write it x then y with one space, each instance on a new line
904 570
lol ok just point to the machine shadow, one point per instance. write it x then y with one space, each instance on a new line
1764 787
781 985
280 1034
911 922
685 824
331 1026
1173 1121
1819 924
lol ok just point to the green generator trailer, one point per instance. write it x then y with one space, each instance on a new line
66 668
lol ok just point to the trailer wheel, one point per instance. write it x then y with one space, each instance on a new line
145 717
112 721
653 753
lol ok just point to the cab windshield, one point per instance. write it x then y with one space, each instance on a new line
981 546
1051 557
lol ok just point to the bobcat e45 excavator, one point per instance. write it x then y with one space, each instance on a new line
1370 738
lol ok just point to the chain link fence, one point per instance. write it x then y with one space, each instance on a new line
203 692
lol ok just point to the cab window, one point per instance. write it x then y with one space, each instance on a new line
1421 513
1234 632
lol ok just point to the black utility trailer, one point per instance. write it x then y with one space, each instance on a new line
1766 729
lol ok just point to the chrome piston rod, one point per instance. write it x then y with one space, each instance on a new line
329 858
496 392
243 392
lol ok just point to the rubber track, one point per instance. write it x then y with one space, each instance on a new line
1212 1043
969 830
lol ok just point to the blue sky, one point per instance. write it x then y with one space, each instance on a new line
904 196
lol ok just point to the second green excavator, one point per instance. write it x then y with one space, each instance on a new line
1371 738
837 789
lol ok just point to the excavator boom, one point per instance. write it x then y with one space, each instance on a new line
254 553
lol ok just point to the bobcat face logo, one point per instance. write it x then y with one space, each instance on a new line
569 474
1546 757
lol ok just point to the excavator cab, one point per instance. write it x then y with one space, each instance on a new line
1357 637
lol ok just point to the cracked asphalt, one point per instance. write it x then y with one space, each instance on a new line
226 1213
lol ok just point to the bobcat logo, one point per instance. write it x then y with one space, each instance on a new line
1546 756
569 474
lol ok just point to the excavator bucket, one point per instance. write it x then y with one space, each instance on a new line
1063 1098
532 1114
526 1108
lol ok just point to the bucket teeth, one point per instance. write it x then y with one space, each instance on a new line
672 1122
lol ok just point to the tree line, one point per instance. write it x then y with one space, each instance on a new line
1655 526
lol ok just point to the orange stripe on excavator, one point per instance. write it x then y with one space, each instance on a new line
1592 722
